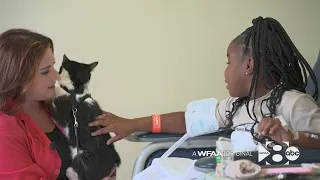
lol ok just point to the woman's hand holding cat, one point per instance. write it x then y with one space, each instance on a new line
120 126
273 128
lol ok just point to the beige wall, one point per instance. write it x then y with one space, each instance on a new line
155 56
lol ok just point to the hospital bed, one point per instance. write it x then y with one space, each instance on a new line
194 148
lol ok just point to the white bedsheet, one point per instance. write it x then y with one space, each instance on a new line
171 169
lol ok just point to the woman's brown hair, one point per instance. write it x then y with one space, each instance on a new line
21 51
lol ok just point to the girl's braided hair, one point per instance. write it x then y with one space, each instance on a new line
271 48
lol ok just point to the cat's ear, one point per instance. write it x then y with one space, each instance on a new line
65 59
93 65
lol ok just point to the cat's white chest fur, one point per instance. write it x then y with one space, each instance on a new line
62 92
74 151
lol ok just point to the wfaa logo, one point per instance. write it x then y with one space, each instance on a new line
278 154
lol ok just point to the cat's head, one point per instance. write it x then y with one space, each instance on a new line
75 74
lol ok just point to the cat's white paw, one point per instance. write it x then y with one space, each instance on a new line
71 174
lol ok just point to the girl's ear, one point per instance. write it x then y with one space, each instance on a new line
250 65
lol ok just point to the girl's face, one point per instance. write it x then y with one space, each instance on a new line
238 72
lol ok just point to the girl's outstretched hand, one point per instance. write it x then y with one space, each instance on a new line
122 127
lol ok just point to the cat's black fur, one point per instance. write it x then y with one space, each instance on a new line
96 159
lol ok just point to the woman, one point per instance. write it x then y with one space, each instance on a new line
28 79
263 73
26 128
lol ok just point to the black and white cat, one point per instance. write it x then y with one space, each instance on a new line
92 158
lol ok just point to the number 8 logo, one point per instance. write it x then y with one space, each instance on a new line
277 154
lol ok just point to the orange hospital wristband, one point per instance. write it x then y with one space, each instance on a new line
156 123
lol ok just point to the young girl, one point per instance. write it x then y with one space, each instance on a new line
265 77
